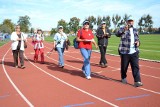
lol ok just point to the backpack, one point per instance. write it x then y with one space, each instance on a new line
75 42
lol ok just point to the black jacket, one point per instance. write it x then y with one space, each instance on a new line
103 40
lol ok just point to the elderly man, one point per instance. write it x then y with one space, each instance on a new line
129 52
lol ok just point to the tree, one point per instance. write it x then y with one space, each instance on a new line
5 29
24 23
148 23
64 24
74 24
7 26
53 31
145 23
107 19
92 21
116 21
99 20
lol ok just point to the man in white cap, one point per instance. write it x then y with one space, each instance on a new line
129 52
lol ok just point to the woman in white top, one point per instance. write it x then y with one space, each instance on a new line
60 39
39 46
18 38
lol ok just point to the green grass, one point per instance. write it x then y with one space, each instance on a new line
3 42
149 49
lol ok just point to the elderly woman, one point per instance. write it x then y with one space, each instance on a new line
18 38
60 39
85 38
103 34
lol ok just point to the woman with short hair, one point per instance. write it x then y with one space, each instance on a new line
18 38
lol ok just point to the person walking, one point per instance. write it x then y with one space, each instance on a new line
129 52
102 35
85 38
59 44
38 46
18 38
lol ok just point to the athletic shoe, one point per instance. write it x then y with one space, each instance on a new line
88 77
138 84
124 81
22 67
16 66
60 66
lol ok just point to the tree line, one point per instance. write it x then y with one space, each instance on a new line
145 23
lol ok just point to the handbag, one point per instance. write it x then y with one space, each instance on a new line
25 43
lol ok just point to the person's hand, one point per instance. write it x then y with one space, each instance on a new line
18 39
126 27
137 43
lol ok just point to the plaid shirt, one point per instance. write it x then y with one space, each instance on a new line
124 46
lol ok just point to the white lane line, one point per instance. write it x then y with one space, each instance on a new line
149 90
115 69
93 73
85 92
15 87
101 76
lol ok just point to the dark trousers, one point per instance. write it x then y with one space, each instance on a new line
133 59
17 53
103 54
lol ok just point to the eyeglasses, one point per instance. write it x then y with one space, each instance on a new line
86 23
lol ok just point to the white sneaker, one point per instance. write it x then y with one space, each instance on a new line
88 77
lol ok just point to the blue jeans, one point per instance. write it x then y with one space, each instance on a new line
86 68
61 58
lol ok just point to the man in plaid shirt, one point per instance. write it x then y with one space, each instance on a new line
129 52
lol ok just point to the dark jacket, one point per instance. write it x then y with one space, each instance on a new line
102 40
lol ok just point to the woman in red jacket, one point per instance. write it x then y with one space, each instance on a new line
85 38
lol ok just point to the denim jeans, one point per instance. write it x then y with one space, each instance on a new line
61 58
86 68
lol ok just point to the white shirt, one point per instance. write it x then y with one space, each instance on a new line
14 40
39 44
132 45
61 39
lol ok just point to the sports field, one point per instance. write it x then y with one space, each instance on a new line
149 49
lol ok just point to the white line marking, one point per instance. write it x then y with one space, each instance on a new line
101 76
85 92
15 87
150 90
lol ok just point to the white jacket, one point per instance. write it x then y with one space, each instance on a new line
14 40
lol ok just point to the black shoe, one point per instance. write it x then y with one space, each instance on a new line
138 84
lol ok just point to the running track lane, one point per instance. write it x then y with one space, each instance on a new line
104 85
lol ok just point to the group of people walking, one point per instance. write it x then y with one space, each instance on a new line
128 48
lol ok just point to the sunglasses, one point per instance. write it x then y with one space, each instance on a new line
86 23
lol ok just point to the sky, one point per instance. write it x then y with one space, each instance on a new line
45 14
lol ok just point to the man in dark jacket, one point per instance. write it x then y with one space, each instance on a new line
128 50
103 34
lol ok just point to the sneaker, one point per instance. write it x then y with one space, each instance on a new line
124 81
138 84
22 67
60 66
88 77
16 66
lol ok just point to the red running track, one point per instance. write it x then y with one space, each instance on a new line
47 85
